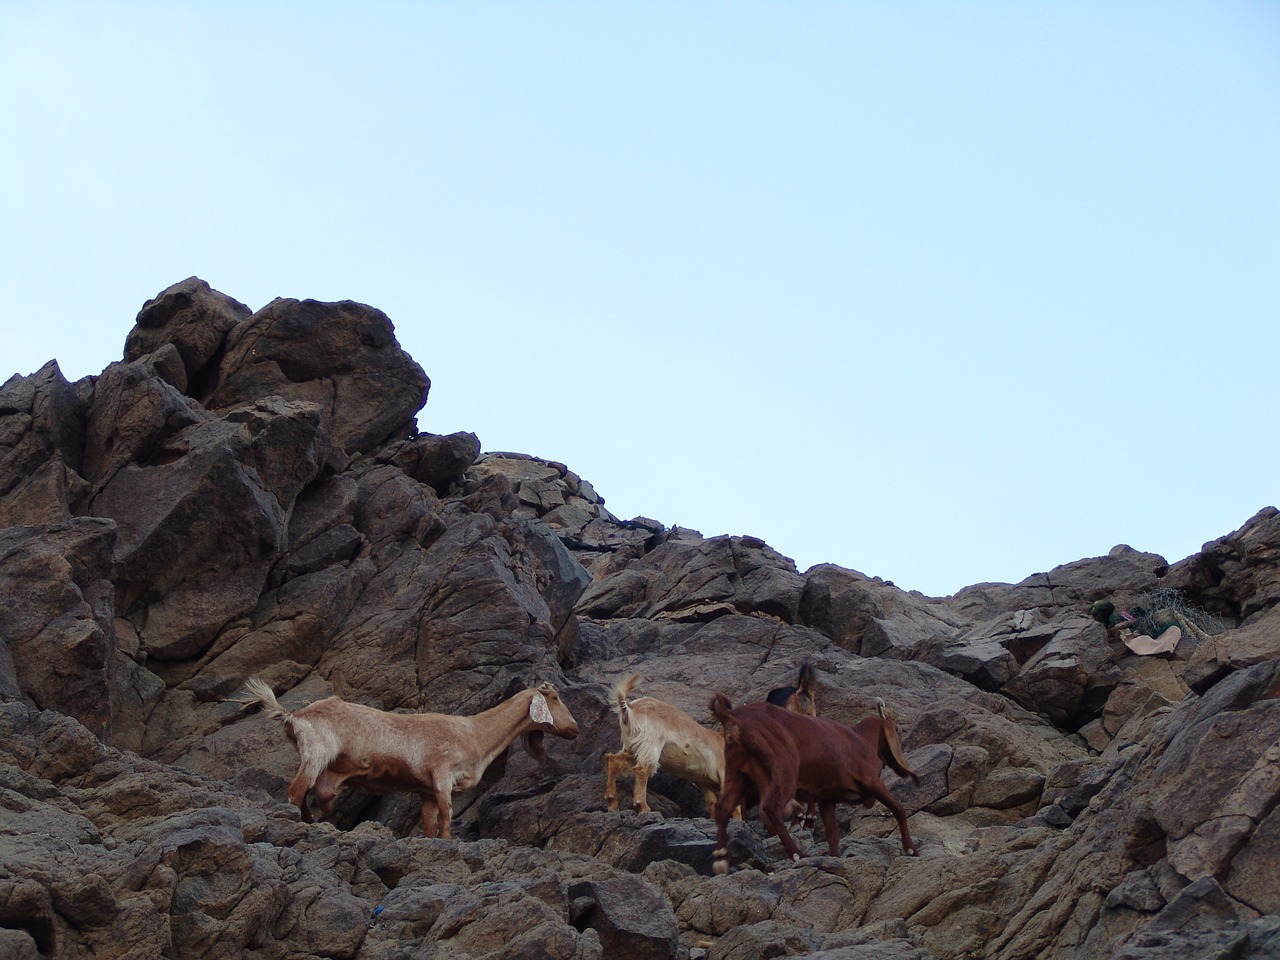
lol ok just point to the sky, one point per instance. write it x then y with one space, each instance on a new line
943 293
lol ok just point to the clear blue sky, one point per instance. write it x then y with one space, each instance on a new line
941 292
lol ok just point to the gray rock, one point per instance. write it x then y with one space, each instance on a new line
631 918
1069 679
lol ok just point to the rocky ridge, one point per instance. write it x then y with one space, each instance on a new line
249 494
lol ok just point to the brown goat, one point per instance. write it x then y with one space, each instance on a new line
778 757
434 755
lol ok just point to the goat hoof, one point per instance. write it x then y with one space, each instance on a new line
721 867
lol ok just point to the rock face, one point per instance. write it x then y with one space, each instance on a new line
246 494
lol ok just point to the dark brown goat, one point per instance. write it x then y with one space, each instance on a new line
799 698
777 756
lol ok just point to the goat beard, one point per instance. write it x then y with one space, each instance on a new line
534 746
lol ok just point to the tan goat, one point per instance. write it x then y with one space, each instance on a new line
434 755
657 735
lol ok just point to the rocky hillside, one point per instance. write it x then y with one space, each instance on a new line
246 494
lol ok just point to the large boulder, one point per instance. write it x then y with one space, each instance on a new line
195 319
872 617
341 357
1070 676
1122 574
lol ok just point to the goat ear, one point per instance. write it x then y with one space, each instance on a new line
539 712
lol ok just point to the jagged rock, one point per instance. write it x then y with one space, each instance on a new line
41 419
56 629
983 661
1123 574
51 495
633 921
1256 642
1070 678
1237 575
695 580
438 462
201 525
134 412
868 616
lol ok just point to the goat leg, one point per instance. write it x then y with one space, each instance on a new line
772 816
731 798
298 790
640 793
828 809
615 763
878 790
430 817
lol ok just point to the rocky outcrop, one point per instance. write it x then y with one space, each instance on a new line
248 494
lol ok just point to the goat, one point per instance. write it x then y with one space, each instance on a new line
657 735
434 755
799 698
778 757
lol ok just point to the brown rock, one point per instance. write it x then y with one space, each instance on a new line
41 419
56 620
342 357
193 318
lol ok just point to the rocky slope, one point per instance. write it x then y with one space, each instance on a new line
247 494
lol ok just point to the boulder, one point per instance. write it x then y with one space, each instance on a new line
201 526
632 919
41 419
1069 679
688 578
1122 574
193 318
341 357
1236 575
57 637
869 616
438 462
1255 642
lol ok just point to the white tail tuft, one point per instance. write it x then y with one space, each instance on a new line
260 692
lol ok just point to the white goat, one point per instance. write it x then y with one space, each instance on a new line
657 735
431 754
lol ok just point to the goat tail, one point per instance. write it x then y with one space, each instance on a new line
891 750
721 709
260 691
620 694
